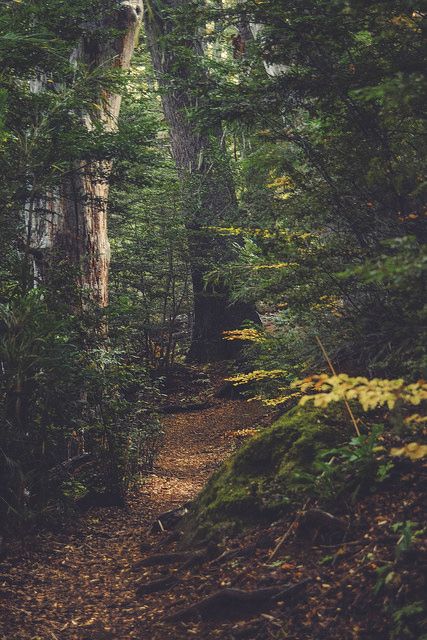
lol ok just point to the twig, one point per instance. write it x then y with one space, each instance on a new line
333 370
283 539
287 533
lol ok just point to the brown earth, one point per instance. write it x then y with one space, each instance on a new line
78 584
339 579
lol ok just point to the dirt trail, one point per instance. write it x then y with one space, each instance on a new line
78 584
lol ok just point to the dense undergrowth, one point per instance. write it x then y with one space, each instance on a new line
67 403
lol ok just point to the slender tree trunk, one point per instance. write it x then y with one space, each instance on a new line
207 184
73 228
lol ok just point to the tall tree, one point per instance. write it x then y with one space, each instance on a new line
71 222
207 182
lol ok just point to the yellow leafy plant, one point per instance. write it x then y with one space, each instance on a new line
370 393
415 419
243 433
283 187
277 265
262 233
255 376
282 181
275 402
412 450
333 304
248 335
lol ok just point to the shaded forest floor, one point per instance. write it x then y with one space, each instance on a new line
87 582
79 583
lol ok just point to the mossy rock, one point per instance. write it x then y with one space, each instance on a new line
268 475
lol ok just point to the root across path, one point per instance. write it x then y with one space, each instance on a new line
79 583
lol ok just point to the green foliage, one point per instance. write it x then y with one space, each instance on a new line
327 237
64 388
356 466
408 534
150 290
60 399
269 474
332 155
403 595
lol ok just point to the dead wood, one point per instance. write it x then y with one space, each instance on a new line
229 603
161 584
288 532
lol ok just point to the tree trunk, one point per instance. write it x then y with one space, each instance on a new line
72 228
207 184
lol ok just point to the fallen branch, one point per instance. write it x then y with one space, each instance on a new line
334 373
312 521
283 539
287 533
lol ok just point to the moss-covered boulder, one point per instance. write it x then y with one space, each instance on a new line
267 475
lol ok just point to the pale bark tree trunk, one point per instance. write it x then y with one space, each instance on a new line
72 227
207 183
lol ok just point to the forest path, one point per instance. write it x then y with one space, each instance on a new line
78 584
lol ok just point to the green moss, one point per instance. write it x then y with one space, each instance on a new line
268 474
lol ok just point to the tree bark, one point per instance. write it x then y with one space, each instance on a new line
71 229
207 184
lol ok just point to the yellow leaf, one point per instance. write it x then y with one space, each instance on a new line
412 450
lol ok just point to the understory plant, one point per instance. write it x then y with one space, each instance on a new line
61 400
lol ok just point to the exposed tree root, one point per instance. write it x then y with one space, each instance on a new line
201 556
158 559
231 554
161 584
235 603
